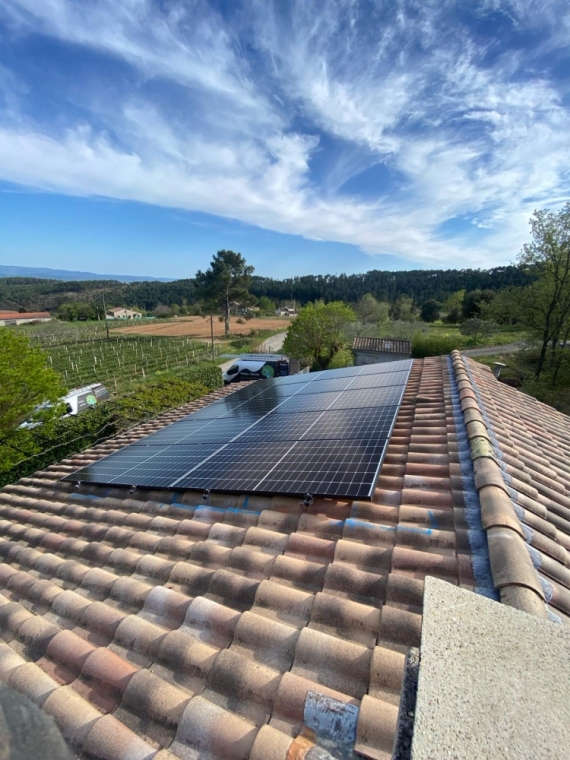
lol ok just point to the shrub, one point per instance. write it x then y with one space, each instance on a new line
342 358
205 373
478 328
39 447
433 345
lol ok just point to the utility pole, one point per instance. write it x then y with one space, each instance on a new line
105 316
212 334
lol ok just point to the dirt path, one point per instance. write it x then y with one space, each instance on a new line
199 327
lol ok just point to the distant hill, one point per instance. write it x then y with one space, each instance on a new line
67 275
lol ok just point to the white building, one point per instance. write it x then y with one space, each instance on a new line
121 312
8 318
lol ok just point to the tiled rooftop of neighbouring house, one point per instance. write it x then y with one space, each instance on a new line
151 625
385 345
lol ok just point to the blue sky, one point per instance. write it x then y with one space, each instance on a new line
314 136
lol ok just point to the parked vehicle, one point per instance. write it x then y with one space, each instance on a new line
76 401
256 368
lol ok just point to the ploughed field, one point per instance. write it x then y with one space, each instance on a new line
199 327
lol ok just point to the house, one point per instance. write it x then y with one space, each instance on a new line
377 350
179 624
121 312
286 311
8 318
239 310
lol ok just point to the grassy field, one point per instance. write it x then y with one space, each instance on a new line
407 330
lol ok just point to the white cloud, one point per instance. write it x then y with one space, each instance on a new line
469 138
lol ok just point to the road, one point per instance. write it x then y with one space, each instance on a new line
274 344
270 346
507 348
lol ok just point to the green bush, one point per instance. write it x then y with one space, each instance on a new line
205 373
433 344
29 450
342 358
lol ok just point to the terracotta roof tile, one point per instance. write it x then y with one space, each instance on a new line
158 626
388 345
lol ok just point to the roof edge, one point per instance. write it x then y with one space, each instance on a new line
514 575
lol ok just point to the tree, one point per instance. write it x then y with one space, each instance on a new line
343 358
474 301
227 279
430 311
25 381
404 309
371 311
266 305
317 333
478 328
544 306
502 309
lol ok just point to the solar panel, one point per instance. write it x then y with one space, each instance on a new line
311 402
323 433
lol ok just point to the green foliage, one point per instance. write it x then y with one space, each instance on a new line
433 344
266 305
371 311
38 294
207 374
430 311
544 306
419 285
502 309
76 311
29 450
227 279
404 309
478 328
453 316
25 381
343 358
454 301
474 301
317 333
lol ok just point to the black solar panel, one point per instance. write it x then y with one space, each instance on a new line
323 433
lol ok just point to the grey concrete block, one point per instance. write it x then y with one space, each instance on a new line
494 682
26 733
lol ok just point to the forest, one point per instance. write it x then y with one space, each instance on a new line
421 285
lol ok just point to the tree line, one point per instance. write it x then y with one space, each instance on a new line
33 294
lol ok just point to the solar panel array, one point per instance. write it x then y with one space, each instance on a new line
323 434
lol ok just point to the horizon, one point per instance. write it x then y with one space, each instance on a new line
314 139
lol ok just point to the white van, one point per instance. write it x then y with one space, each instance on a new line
254 369
76 401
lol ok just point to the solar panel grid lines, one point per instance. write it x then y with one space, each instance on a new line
325 433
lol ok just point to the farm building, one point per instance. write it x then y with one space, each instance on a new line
430 621
8 318
377 350
121 312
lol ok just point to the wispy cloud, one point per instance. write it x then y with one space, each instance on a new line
228 114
